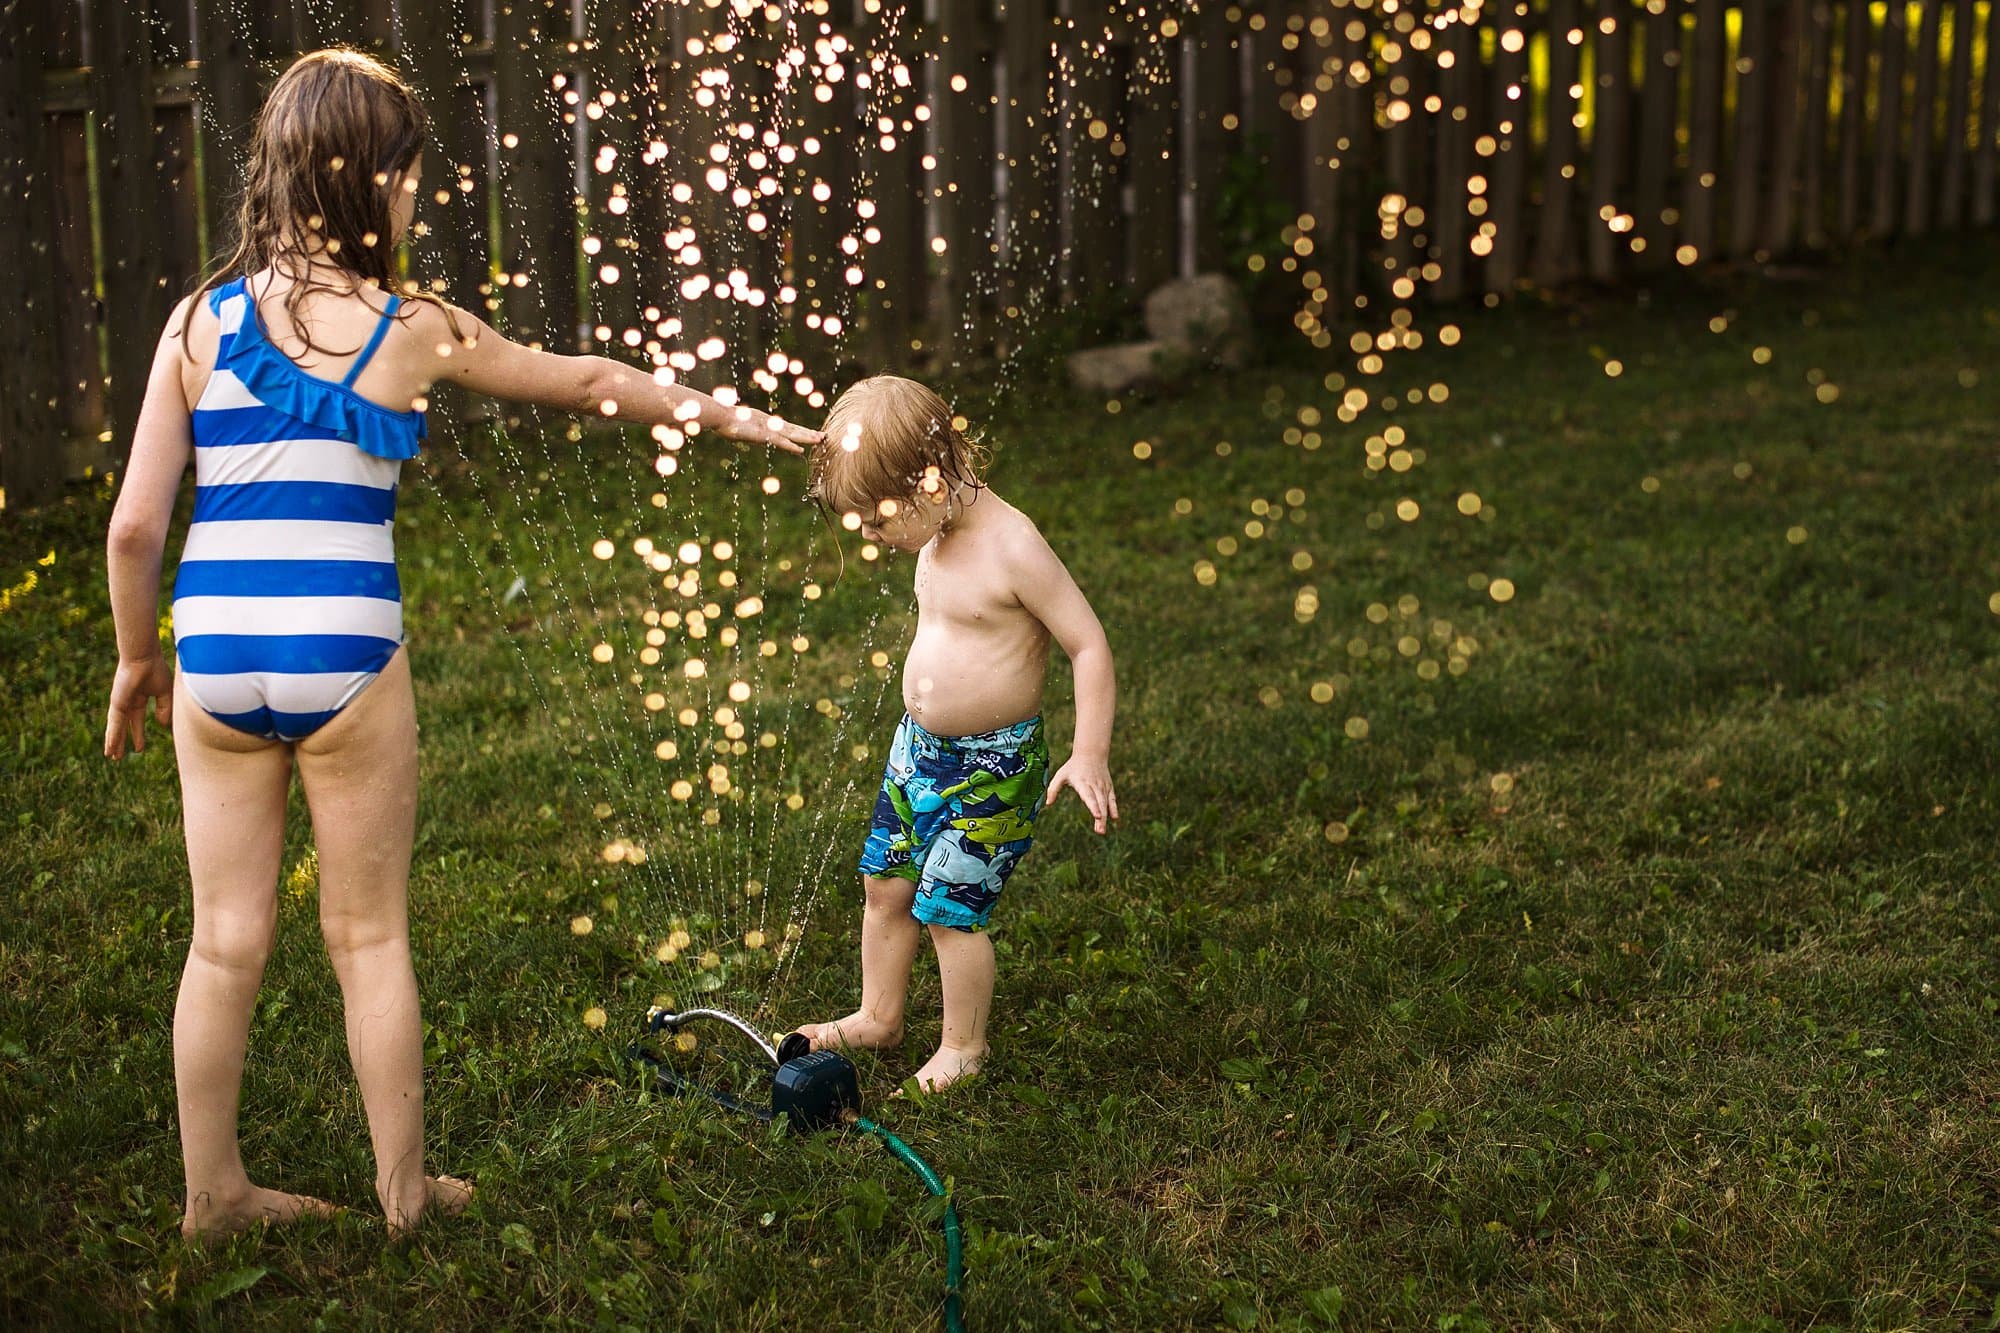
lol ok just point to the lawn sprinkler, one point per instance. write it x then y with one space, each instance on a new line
813 1090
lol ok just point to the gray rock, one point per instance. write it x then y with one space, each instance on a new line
1113 370
1205 318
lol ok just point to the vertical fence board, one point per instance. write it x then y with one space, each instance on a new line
823 211
1458 94
452 250
1026 104
1983 173
891 176
227 53
1853 117
962 115
615 274
1917 200
1613 77
81 397
1153 92
1217 110
1888 120
129 207
177 226
1555 237
1812 152
1705 110
1755 76
538 216
1093 121
1659 109
31 435
1509 126
1788 58
1957 116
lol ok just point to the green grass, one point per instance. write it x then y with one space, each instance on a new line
1653 983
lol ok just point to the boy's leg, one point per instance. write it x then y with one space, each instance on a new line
360 776
233 792
889 936
965 969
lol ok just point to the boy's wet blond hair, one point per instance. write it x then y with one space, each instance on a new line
888 438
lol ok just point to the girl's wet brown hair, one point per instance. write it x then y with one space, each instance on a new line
889 438
336 134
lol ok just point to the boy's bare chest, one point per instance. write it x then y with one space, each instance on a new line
957 589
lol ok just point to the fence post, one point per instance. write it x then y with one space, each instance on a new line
31 435
1889 119
135 300
538 217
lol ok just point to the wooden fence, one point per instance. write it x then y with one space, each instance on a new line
759 193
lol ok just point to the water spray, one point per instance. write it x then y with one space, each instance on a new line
813 1090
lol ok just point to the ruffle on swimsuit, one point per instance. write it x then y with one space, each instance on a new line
280 384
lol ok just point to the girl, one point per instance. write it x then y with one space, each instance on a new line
296 381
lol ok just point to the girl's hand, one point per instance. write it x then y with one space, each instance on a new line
753 427
1090 779
135 683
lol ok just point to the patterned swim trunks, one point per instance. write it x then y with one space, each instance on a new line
955 814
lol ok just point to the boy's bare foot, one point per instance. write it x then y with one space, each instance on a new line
445 1195
947 1067
858 1031
210 1215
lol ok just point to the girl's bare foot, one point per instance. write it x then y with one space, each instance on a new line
858 1031
444 1195
212 1215
947 1067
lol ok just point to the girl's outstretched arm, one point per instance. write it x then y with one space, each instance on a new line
162 443
487 363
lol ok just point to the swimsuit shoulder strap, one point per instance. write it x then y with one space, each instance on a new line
374 341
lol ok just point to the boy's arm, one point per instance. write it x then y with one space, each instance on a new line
162 443
488 363
1050 595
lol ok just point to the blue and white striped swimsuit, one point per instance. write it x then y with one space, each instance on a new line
286 603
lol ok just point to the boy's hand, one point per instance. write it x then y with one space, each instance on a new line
753 427
135 683
1090 779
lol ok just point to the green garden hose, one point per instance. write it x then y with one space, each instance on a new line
954 1258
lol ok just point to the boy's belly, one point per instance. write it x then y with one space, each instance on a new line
960 684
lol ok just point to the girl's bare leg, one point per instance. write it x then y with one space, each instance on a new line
360 776
233 793
965 968
889 936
